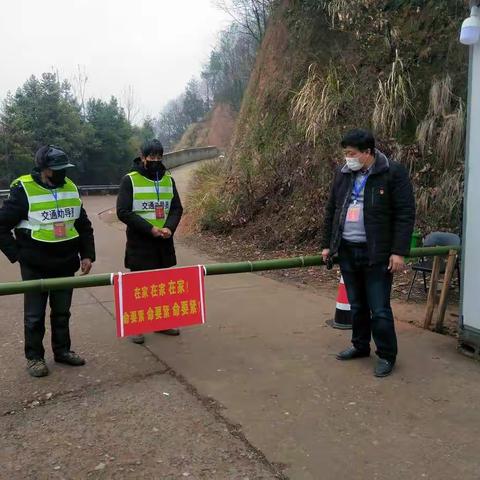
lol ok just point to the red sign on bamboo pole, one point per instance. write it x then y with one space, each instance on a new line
159 299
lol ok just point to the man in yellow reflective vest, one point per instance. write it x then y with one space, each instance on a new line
149 204
53 238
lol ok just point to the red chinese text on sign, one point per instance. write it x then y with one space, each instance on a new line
159 299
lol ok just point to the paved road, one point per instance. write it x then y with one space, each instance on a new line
255 393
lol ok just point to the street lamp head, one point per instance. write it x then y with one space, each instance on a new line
470 32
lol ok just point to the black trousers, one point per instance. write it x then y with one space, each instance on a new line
35 304
368 290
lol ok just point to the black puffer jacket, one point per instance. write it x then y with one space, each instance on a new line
389 210
53 259
143 251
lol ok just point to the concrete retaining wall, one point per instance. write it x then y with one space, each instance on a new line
189 155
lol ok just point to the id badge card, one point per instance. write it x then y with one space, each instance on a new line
60 230
159 212
353 213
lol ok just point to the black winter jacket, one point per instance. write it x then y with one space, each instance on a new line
53 259
389 210
143 251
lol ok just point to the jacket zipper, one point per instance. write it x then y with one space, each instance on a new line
342 216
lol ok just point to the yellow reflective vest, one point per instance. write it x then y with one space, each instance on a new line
151 199
51 212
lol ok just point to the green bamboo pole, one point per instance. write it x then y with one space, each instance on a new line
262 265
103 279
432 251
60 283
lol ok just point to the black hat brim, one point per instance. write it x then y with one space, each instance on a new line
61 167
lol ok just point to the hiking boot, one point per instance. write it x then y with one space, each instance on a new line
138 339
351 353
173 332
37 367
70 358
383 368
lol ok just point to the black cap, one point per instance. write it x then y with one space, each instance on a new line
52 157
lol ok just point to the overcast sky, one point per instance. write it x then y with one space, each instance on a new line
154 45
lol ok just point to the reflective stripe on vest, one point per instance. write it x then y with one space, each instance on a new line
146 199
44 211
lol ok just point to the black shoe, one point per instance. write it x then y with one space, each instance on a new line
351 353
70 358
173 332
383 368
37 367
138 339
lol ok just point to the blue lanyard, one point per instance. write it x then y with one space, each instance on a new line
157 187
358 187
55 196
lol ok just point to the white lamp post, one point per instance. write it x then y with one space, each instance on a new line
470 295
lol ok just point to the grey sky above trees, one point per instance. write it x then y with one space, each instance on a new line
152 46
103 129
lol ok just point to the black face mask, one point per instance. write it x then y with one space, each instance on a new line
58 177
155 168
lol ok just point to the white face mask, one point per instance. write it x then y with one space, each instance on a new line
353 163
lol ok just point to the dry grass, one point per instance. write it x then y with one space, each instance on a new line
441 96
344 12
425 133
451 138
442 132
339 11
393 100
440 206
206 204
406 155
441 138
316 106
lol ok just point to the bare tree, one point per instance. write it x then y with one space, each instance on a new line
79 85
250 15
228 70
172 122
130 104
206 88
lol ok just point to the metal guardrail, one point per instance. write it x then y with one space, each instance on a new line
82 188
98 187
173 159
102 189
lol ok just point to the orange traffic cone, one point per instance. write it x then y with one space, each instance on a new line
343 317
